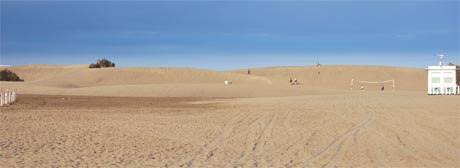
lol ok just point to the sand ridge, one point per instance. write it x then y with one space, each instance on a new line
192 82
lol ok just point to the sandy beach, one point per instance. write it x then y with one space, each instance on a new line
72 116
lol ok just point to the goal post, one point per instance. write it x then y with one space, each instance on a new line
353 81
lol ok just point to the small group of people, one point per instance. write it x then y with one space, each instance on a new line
382 88
293 82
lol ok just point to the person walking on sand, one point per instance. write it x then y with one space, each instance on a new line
290 81
295 81
362 87
383 88
249 71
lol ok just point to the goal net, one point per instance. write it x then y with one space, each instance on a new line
372 85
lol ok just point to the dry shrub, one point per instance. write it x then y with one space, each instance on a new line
7 75
102 63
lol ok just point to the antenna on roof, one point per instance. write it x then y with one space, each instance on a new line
441 56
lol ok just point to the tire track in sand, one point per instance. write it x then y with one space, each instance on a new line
207 151
339 141
255 145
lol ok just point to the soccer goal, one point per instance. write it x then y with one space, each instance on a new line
372 84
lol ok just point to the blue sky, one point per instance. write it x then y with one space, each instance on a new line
230 35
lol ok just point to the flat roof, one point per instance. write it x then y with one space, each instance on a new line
442 67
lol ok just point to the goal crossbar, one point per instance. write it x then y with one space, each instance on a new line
372 82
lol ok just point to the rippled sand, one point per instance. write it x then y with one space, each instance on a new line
351 129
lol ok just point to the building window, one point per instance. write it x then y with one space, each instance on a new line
435 80
447 79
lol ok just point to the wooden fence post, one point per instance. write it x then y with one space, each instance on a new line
8 97
14 96
4 97
1 97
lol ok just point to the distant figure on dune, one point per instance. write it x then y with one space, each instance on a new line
383 88
249 71
319 68
290 80
362 87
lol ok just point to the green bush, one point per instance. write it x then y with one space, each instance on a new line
102 63
7 75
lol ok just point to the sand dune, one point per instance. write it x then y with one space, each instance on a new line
259 121
192 82
339 76
82 76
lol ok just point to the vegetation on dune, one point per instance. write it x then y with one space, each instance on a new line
7 75
102 63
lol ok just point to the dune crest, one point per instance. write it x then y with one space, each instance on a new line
193 82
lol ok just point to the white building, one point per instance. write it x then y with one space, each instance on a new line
442 80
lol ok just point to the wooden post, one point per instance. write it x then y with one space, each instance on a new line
351 84
13 96
1 97
4 97
8 96
393 85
